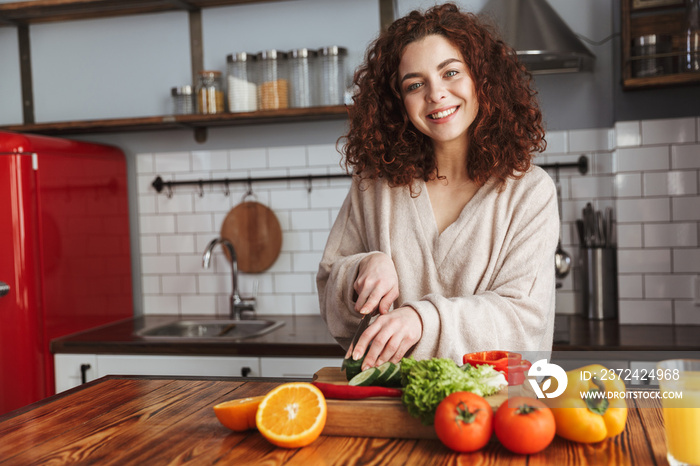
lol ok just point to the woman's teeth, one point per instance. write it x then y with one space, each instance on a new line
443 114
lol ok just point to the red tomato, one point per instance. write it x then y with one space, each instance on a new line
464 421
524 425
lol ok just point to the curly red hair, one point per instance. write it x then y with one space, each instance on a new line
382 142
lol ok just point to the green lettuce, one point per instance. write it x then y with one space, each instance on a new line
427 382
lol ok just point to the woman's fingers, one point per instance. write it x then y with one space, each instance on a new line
389 337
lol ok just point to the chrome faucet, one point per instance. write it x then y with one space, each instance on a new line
240 308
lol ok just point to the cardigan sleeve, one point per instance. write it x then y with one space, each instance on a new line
347 245
515 309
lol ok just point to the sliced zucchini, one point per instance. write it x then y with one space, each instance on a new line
365 378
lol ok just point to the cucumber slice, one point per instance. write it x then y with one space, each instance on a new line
385 371
365 378
352 367
394 379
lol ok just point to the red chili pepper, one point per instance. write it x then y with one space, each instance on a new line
353 392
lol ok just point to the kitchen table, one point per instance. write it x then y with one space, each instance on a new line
155 420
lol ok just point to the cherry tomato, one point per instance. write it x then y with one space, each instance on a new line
524 425
464 421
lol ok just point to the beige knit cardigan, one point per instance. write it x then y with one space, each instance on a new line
485 283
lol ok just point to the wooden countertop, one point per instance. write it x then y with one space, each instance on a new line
308 336
149 420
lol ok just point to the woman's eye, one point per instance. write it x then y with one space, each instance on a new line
450 73
413 87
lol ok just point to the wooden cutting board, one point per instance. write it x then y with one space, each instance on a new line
377 417
255 232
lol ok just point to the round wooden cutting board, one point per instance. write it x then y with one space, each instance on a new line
256 236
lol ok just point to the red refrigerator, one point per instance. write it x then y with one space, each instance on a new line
64 253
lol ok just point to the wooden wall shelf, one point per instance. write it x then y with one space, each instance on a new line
44 11
169 122
24 14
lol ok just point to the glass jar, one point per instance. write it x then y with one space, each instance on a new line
301 65
273 86
242 91
210 92
332 75
182 101
690 60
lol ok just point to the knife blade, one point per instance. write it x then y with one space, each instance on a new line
364 323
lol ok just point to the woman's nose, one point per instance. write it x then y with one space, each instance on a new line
436 92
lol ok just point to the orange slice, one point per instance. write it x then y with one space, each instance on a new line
238 414
292 415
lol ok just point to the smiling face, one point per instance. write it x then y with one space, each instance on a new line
437 90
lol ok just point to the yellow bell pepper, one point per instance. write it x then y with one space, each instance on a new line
592 419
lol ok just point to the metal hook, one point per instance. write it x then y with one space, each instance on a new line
201 189
249 192
309 185
226 190
169 191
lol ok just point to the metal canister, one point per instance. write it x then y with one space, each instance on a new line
273 85
182 100
332 75
242 90
653 52
301 82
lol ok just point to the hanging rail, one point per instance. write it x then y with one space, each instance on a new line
159 184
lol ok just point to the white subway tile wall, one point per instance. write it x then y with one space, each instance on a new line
648 171
175 230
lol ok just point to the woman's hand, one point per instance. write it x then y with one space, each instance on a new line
377 284
391 334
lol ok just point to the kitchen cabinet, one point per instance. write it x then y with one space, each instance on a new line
24 14
70 367
74 369
641 18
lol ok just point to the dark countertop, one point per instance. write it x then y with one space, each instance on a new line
307 336
576 333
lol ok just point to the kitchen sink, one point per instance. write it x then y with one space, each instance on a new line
210 329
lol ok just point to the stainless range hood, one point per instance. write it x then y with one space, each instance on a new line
542 40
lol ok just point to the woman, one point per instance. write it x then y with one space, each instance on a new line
448 230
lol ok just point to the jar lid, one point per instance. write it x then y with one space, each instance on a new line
271 54
333 50
240 56
210 73
181 90
302 53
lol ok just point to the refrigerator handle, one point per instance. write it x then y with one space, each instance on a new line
4 289
83 372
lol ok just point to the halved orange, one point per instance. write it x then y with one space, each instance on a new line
292 415
238 414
